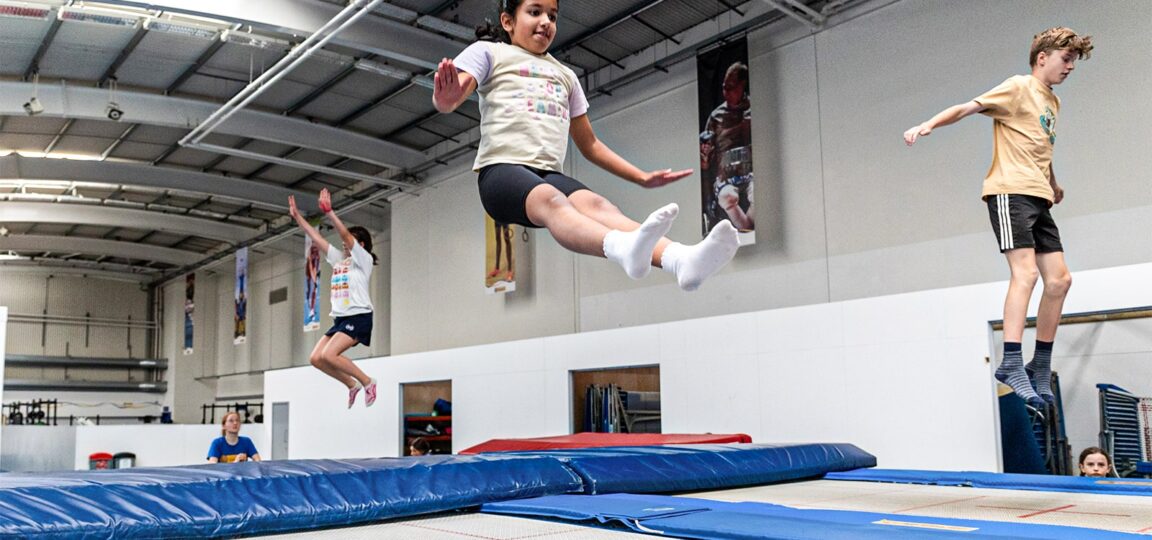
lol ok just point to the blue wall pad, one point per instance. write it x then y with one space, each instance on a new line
1027 482
681 517
676 468
208 501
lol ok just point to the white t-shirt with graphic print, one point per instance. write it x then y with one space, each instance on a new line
527 102
350 281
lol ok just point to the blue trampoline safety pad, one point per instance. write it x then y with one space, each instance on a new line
1028 482
244 499
681 517
207 501
677 468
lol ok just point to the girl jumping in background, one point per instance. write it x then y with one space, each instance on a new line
530 104
351 304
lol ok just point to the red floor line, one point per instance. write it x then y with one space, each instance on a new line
1069 506
1048 511
1098 514
1144 530
938 504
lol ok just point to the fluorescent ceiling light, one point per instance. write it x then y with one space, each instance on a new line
253 40
99 16
182 28
75 157
21 10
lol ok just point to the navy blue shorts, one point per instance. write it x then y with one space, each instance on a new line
504 190
357 327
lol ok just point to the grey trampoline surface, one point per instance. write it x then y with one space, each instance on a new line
462 527
1123 513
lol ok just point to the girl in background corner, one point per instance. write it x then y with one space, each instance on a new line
351 303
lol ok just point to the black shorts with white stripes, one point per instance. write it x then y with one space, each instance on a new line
1023 221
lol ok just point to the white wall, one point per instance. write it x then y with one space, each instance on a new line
905 377
34 292
90 404
158 445
38 448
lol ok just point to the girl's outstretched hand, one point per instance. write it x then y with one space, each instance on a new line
447 90
325 201
656 179
292 210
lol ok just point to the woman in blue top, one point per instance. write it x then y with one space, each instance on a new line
530 104
231 447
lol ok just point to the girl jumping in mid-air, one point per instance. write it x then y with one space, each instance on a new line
530 104
351 304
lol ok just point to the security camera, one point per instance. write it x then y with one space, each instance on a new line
33 107
114 111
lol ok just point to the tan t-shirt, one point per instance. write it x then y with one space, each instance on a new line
1024 110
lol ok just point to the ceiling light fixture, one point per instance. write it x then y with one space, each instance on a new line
253 40
198 31
21 10
99 16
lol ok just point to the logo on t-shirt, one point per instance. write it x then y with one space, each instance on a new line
1048 123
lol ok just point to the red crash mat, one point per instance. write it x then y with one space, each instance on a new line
591 440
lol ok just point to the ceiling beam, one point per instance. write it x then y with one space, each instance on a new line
111 216
83 103
95 246
382 36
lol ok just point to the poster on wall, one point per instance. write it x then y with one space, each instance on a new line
189 310
311 279
500 257
725 116
240 330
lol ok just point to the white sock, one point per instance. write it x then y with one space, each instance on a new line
633 250
693 264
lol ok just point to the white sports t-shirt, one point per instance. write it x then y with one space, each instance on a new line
350 281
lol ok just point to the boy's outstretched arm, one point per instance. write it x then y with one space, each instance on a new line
317 240
597 152
948 116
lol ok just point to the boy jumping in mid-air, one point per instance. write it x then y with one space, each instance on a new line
1019 190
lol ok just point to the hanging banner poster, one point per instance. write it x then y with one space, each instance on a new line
240 330
726 186
311 278
189 310
499 258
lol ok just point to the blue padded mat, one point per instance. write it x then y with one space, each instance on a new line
676 468
1027 482
682 517
207 501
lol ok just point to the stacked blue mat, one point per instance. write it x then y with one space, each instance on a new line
212 501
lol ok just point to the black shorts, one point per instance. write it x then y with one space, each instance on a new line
1023 221
357 327
504 190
